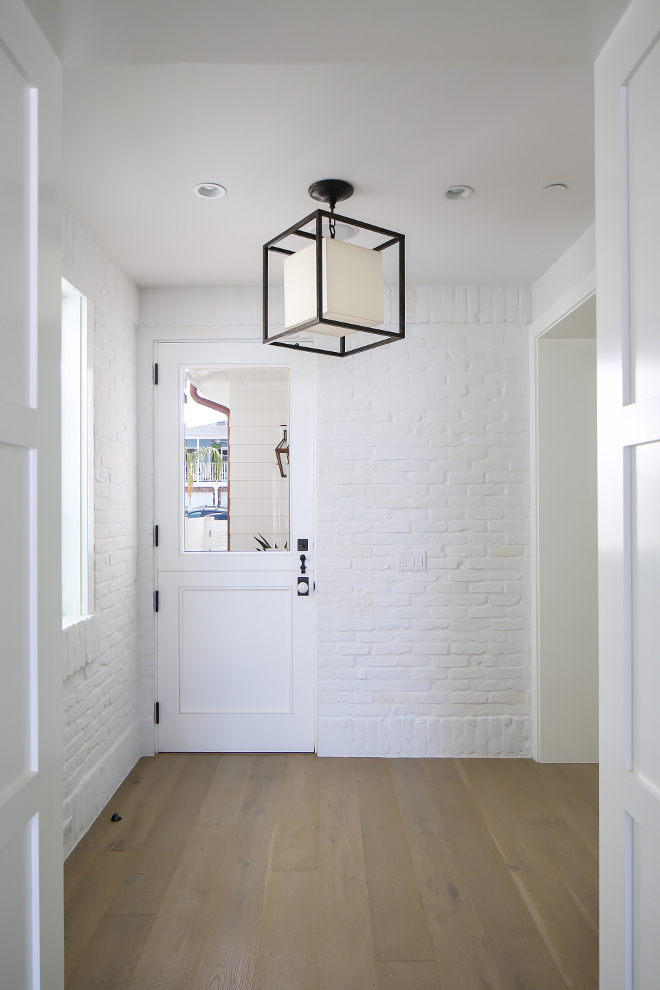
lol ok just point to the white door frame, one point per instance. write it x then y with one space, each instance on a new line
627 423
31 877
563 307
148 338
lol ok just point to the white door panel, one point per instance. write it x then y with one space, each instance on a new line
235 640
31 935
228 684
628 251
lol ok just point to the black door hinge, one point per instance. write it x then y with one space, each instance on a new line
155 601
155 536
155 374
157 713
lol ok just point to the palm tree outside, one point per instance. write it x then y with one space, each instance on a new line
197 456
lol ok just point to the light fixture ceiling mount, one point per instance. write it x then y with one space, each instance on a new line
331 191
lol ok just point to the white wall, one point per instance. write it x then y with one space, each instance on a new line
101 738
258 495
424 445
563 308
567 551
421 444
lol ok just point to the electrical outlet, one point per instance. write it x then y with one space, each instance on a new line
412 561
68 828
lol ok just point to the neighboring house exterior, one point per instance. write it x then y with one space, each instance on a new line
210 480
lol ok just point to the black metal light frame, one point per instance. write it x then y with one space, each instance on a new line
318 216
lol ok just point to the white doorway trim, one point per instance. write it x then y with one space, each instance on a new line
562 308
229 328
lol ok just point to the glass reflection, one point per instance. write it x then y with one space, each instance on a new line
236 495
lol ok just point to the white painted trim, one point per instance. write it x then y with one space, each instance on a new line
564 306
580 292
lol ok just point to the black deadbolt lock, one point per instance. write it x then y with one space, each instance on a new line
303 544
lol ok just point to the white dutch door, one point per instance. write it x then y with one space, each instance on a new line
31 935
628 250
234 554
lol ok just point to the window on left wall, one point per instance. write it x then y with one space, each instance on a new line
77 457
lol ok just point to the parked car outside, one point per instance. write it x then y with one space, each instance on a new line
206 510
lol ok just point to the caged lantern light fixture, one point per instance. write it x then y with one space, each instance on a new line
333 288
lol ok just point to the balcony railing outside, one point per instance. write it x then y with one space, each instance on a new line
208 472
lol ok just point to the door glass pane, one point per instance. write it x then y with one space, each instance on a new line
235 463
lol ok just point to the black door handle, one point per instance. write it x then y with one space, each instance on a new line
302 563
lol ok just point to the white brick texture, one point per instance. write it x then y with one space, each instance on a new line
420 445
101 737
80 644
423 445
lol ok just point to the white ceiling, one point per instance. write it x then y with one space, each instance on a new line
143 32
402 99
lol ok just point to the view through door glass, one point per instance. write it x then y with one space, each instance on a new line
235 462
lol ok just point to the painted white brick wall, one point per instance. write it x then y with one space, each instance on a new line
101 737
422 444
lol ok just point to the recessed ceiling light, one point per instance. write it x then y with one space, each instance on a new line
210 190
458 192
555 189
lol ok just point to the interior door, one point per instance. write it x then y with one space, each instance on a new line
234 496
628 251
31 935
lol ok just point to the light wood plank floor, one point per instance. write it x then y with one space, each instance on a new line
289 872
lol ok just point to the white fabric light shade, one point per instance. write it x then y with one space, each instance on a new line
352 287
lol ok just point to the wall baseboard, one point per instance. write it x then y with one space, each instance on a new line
93 791
485 736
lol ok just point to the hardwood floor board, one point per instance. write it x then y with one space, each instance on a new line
538 793
230 941
321 869
397 918
225 796
585 777
520 954
409 976
287 949
112 954
345 950
143 890
170 952
567 933
461 950
297 837
569 803
77 861
573 861
269 765
447 769
142 806
88 900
